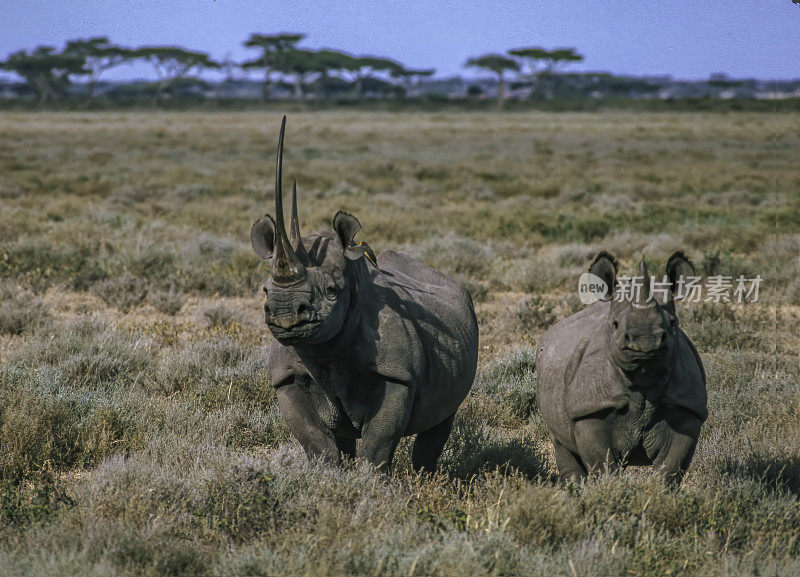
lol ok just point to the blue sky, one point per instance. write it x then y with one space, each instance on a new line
683 38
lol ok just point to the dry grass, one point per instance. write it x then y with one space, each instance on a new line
139 434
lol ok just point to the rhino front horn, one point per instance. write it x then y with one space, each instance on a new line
287 268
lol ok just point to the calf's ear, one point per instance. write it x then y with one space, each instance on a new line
346 227
679 267
604 265
262 236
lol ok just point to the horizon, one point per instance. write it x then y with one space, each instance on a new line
682 40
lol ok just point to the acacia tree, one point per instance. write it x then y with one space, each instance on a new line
330 62
540 64
274 49
365 67
171 64
408 77
45 71
300 65
228 68
498 64
98 55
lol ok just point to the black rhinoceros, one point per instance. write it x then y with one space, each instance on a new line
619 382
364 348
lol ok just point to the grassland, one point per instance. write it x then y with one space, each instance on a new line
138 430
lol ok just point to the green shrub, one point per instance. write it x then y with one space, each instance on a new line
221 315
511 382
169 302
124 293
543 517
218 371
20 310
41 432
36 501
719 325
87 352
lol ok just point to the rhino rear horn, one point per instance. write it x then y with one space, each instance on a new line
604 266
294 229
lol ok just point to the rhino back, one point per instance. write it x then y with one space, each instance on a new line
437 313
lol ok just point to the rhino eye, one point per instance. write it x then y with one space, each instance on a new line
615 323
330 292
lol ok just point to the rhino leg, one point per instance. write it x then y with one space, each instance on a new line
568 463
429 444
298 410
593 438
684 429
383 428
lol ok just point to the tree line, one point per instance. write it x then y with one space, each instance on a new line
534 67
280 60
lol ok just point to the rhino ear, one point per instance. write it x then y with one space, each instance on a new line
346 227
679 267
604 266
262 236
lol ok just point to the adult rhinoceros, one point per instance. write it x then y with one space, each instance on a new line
620 382
365 348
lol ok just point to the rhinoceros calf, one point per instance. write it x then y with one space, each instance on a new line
620 382
365 348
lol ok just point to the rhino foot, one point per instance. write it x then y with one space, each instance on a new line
569 464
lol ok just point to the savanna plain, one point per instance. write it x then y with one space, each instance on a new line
139 433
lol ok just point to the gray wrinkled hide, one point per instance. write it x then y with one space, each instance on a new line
606 403
363 350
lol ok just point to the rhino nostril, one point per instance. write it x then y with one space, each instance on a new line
301 309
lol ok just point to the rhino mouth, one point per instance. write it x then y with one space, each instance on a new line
297 330
645 348
645 344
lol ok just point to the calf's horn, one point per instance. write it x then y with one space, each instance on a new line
644 293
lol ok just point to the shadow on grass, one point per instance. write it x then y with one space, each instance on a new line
512 455
779 473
